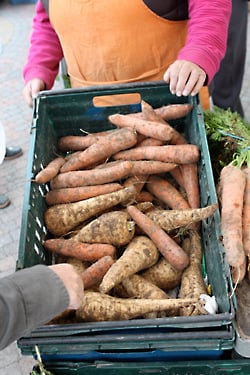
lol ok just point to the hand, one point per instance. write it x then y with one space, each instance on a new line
31 88
184 78
73 283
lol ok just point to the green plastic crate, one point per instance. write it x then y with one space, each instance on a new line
210 367
65 112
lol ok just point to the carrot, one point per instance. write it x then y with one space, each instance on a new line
114 227
148 113
174 111
144 196
191 184
151 129
101 150
149 142
148 167
173 219
167 193
246 220
75 194
192 282
94 274
179 154
165 244
62 218
95 176
50 171
139 254
79 250
176 173
142 167
138 181
102 307
78 142
232 184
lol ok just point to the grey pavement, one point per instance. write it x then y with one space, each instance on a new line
15 27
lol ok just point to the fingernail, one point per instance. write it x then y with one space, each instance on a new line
178 93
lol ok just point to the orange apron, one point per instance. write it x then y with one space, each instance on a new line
115 41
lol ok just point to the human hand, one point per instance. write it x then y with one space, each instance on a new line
184 78
31 88
72 281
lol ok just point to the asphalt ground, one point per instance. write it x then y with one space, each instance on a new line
15 27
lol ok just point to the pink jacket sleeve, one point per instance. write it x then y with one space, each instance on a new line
45 51
207 34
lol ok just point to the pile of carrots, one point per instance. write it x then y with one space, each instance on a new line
116 204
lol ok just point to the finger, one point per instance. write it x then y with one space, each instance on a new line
183 79
36 86
28 96
194 83
171 77
198 86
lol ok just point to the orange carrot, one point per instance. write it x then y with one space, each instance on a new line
147 167
50 171
78 142
174 111
91 176
79 250
232 184
75 194
179 154
191 184
144 196
149 142
148 113
101 150
176 173
151 129
138 181
93 275
167 193
171 251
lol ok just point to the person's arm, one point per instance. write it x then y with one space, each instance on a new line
207 34
33 296
44 55
199 59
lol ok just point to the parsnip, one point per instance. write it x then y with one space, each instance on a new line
140 253
102 307
114 227
172 219
192 282
62 218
